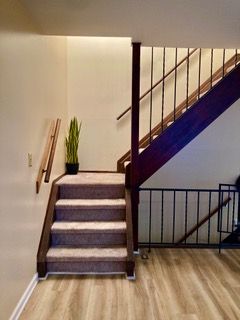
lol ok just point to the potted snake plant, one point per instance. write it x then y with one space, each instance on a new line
71 143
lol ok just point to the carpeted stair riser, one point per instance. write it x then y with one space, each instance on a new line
72 214
91 192
89 230
87 266
86 239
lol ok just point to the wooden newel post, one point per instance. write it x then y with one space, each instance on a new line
134 174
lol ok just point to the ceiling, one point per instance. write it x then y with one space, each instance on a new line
182 23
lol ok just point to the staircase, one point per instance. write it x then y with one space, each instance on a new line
91 224
88 233
202 105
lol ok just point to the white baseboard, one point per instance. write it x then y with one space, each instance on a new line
24 299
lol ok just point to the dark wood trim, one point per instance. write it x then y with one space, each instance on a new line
100 171
130 255
136 51
202 221
52 152
134 205
134 171
44 243
144 142
158 82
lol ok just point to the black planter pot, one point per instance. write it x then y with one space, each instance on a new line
72 168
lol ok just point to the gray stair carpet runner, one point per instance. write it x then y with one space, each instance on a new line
89 231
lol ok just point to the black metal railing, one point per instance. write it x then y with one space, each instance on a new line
229 220
185 217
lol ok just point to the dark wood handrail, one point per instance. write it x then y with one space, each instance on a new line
52 152
159 81
205 219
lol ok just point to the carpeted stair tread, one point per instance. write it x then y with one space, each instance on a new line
93 178
89 227
86 254
90 203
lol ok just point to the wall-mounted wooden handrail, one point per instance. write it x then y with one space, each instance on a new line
159 81
204 220
48 154
52 152
42 168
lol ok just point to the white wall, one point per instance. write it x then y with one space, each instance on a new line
32 92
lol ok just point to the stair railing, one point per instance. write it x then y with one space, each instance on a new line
133 175
48 154
169 73
185 217
228 221
191 97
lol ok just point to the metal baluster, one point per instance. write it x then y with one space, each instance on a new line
187 78
233 211
209 215
228 210
199 71
163 85
162 217
186 210
150 221
174 215
238 211
198 212
223 71
220 218
222 197
211 67
175 86
151 98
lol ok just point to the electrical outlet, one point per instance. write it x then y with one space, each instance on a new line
29 159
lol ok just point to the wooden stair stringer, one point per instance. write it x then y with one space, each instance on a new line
187 127
190 101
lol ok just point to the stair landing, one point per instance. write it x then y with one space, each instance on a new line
93 178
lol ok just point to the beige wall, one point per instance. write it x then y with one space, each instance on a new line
185 23
32 92
99 84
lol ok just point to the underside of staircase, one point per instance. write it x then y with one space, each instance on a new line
188 124
232 240
88 231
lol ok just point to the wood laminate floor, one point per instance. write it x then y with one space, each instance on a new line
176 284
